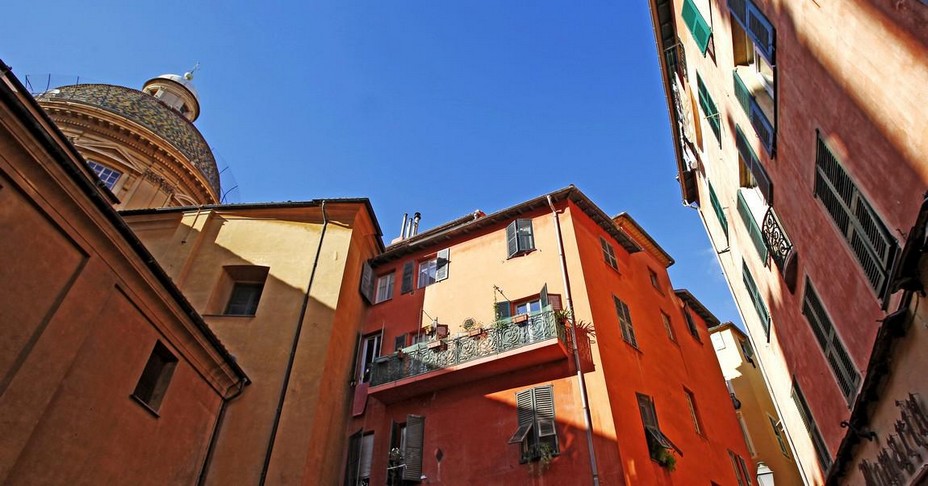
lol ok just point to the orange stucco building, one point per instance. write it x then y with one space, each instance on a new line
471 370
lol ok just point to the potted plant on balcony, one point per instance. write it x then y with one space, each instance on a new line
520 319
437 345
472 329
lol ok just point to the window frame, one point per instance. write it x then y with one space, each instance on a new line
668 326
835 352
390 279
654 437
625 322
520 237
609 254
250 306
105 174
694 412
372 342
691 324
778 432
535 409
155 379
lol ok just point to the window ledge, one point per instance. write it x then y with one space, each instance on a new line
146 406
230 315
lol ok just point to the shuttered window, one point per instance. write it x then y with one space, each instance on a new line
756 26
869 239
752 163
435 269
709 109
757 237
536 431
690 324
625 321
412 450
656 440
756 299
697 25
384 290
741 469
367 282
835 353
519 237
353 464
719 212
407 278
608 253
818 442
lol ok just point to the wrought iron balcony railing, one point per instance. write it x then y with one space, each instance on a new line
776 240
504 335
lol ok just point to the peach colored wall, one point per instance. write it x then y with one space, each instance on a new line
470 423
81 314
194 248
834 60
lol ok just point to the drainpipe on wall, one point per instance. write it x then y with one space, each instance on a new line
216 428
296 340
587 419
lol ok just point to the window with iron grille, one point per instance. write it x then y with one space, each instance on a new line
756 298
708 107
835 353
536 434
625 321
818 442
862 228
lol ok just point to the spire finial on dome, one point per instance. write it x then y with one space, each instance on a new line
189 74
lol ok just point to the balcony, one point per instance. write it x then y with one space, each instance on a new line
506 346
757 104
781 248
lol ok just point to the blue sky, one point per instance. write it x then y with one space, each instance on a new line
433 106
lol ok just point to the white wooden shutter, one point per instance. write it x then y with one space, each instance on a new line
444 257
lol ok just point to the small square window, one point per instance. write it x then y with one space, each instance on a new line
155 377
384 288
244 299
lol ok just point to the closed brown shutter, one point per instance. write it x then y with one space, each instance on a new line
415 436
407 278
367 283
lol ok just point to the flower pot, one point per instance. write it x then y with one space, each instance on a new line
476 333
520 319
437 345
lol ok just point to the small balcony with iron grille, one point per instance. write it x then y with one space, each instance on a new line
509 344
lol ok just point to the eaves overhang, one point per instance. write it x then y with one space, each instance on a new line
474 222
665 35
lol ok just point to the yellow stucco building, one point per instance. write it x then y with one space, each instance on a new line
760 424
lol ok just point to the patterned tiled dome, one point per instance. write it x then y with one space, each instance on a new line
147 111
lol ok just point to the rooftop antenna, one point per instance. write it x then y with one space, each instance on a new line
189 74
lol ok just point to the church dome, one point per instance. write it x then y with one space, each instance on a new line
164 116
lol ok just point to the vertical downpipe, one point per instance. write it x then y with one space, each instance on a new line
587 419
296 340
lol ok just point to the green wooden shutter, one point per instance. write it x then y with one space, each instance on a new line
756 298
719 212
367 282
444 257
407 278
757 238
503 310
697 25
544 411
709 108
412 454
512 243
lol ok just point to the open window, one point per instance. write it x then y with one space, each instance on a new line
536 433
658 443
529 306
434 269
520 238
754 77
406 446
369 350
